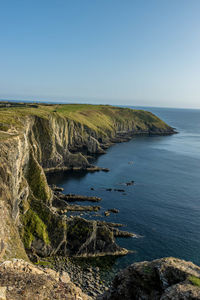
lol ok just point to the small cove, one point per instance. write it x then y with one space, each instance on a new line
164 204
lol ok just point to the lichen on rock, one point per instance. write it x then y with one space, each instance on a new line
161 279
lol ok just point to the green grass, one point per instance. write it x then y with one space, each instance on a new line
5 135
37 180
33 226
194 280
44 263
100 118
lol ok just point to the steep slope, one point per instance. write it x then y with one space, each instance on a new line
34 138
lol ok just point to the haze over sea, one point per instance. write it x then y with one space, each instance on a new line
164 204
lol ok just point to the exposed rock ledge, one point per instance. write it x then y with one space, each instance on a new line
162 279
20 280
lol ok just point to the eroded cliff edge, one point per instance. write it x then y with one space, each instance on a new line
38 138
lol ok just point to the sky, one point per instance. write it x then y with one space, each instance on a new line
127 52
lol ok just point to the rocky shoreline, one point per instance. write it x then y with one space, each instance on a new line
90 169
39 139
162 279
92 280
62 204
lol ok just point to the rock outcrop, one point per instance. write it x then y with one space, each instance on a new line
22 280
162 279
35 138
91 238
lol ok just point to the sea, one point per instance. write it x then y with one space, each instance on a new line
163 206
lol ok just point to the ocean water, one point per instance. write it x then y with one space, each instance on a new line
163 207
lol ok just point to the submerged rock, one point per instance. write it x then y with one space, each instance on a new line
114 210
130 183
107 213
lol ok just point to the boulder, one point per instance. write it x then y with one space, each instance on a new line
161 279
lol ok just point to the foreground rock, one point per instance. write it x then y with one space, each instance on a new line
161 279
22 280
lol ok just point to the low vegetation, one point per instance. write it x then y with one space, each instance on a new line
33 227
37 180
194 280
101 118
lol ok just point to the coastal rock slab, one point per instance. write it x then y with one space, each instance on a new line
161 279
22 280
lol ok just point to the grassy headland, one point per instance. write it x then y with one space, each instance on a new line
100 118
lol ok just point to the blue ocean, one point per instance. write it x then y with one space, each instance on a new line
163 206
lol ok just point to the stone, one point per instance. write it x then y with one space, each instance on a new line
119 190
130 183
3 293
64 277
106 213
181 291
114 210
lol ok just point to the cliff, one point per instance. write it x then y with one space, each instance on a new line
37 138
161 279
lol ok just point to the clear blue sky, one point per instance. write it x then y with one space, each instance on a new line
138 52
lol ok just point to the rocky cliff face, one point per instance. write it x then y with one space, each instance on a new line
33 140
161 279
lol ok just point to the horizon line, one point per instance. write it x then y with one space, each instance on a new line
72 102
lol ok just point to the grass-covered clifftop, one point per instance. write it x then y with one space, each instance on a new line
100 118
39 137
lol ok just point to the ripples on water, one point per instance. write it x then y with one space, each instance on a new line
164 204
